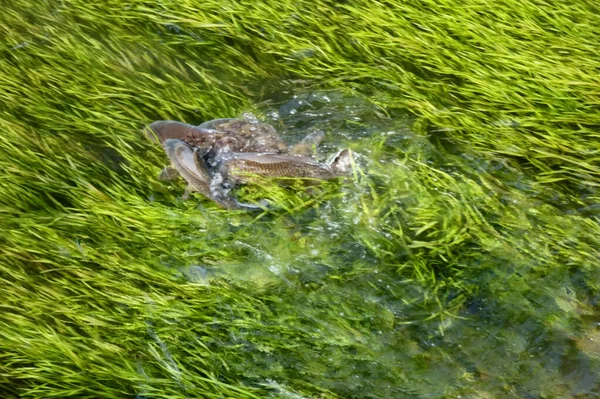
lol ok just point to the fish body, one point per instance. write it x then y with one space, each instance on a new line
190 166
241 167
228 135
188 163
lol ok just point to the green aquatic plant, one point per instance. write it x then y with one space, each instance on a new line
460 258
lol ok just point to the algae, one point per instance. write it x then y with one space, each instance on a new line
460 260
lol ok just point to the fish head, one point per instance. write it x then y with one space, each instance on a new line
159 131
188 163
341 163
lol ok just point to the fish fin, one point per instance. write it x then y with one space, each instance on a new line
233 203
341 163
214 124
308 145
168 173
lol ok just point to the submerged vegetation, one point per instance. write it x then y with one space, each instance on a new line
460 260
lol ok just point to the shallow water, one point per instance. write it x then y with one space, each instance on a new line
394 312
449 264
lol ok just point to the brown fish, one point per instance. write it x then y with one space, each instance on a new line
233 135
239 167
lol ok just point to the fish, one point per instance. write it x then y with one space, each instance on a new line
226 135
239 168
217 155
231 135
186 161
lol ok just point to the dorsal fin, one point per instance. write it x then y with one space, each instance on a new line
308 144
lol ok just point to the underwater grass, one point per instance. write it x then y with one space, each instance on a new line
460 258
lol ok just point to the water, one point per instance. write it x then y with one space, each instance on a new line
422 278
446 266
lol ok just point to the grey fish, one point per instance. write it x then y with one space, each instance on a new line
187 162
